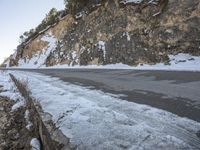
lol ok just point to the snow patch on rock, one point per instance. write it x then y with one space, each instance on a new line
35 144
39 59
101 46
27 118
131 1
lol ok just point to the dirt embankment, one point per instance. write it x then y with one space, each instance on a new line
43 128
19 126
13 132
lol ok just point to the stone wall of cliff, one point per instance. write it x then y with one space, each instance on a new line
117 32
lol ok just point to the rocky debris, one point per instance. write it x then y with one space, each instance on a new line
13 132
27 126
20 127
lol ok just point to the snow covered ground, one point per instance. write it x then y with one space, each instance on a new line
179 62
95 120
9 90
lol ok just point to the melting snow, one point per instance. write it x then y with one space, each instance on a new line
39 59
179 62
131 1
127 36
79 15
35 144
9 90
27 118
18 104
101 46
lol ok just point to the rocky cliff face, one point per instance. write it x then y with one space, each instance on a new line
117 32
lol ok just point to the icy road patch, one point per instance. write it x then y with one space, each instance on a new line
94 120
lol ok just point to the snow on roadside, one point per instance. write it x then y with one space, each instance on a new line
179 62
35 144
96 120
9 90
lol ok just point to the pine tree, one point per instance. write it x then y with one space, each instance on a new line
74 6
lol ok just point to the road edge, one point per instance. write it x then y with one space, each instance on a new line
51 138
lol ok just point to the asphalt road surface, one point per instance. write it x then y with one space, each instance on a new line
174 91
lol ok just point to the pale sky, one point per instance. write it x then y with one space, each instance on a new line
17 16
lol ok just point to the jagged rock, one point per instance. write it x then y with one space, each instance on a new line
13 135
133 34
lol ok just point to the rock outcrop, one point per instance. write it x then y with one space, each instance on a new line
13 131
117 32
